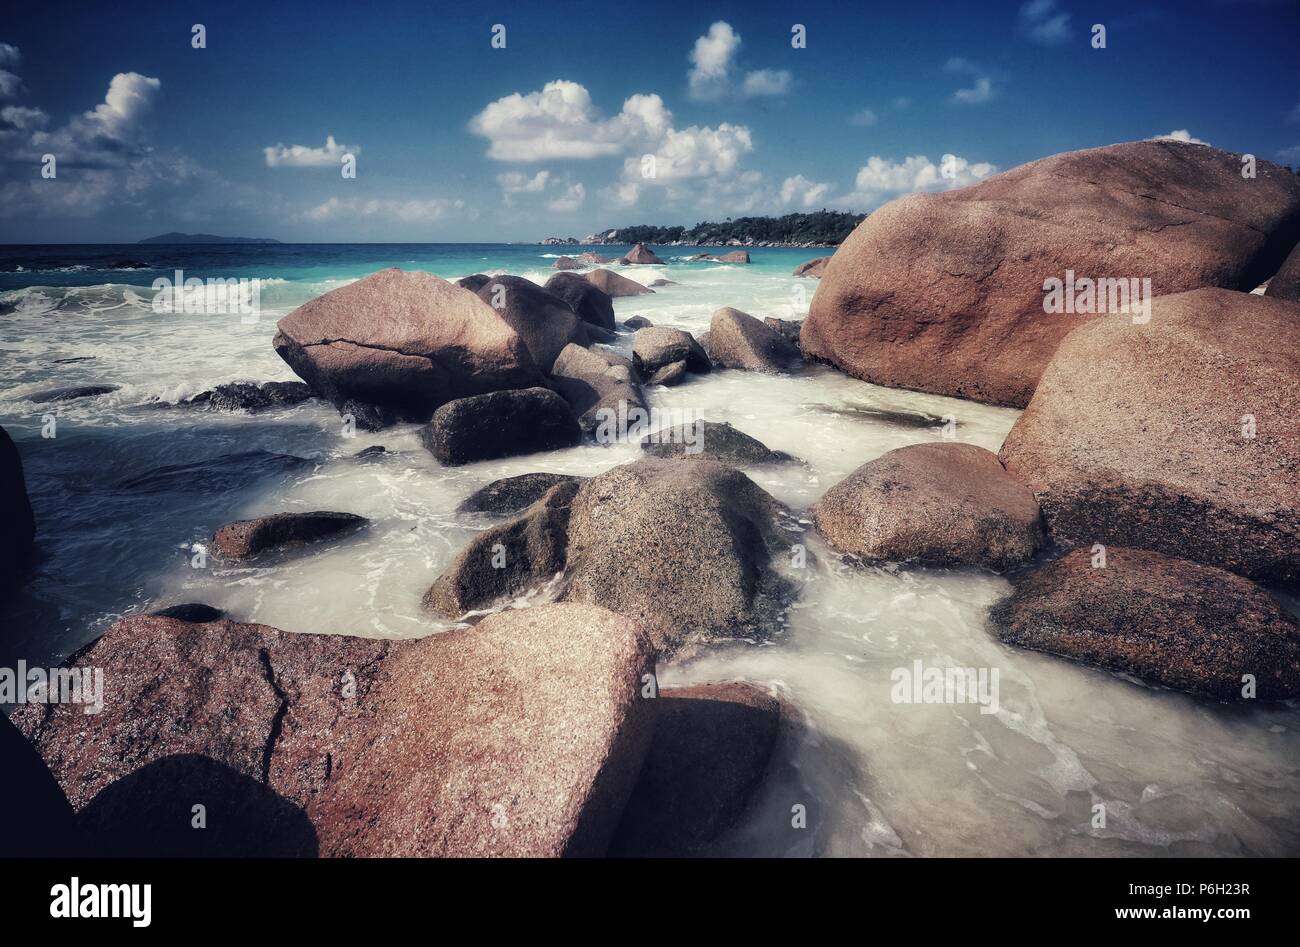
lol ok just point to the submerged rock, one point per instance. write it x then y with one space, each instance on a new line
543 320
70 393
229 472
247 538
591 304
718 440
640 254
658 346
940 504
737 340
521 737
1177 435
245 396
685 547
710 751
404 343
507 559
615 285
1172 622
191 612
945 292
513 494
17 524
500 424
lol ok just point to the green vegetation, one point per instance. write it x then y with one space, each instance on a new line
820 227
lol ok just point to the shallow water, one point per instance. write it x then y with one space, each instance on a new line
124 492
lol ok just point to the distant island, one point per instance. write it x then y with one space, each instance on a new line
202 238
823 228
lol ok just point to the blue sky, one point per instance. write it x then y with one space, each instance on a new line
455 140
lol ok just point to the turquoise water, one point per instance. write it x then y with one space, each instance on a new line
130 484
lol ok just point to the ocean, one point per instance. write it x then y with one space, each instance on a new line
128 484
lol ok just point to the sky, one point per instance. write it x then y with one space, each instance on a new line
513 122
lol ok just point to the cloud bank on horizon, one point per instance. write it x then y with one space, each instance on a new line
752 119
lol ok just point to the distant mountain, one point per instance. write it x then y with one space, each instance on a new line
823 228
203 238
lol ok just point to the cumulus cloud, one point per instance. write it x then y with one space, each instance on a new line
23 117
572 198
881 179
864 117
9 55
800 191
304 156
766 82
693 152
711 61
512 183
1180 134
10 85
980 90
560 122
109 135
1043 21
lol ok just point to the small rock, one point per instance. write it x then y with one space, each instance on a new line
615 285
70 393
596 382
247 538
657 346
718 440
512 495
637 322
500 424
813 269
195 612
738 340
640 254
592 305
672 374
789 328
244 396
566 263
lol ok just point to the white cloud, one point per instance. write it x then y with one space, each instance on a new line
561 122
865 118
10 85
408 211
9 55
572 198
766 82
711 61
22 117
1043 21
881 179
512 182
304 156
693 153
981 89
111 134
1180 134
803 192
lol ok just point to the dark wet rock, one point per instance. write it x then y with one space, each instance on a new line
70 393
640 254
129 265
75 358
615 285
919 420
367 416
248 538
245 396
474 282
1177 435
507 559
669 375
943 504
268 704
17 524
403 342
521 736
735 256
595 383
592 305
192 612
375 450
36 820
709 754
1180 624
656 283
591 258
1285 283
543 320
512 495
657 346
913 300
813 269
789 328
637 322
738 340
501 424
686 547
718 440
227 472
